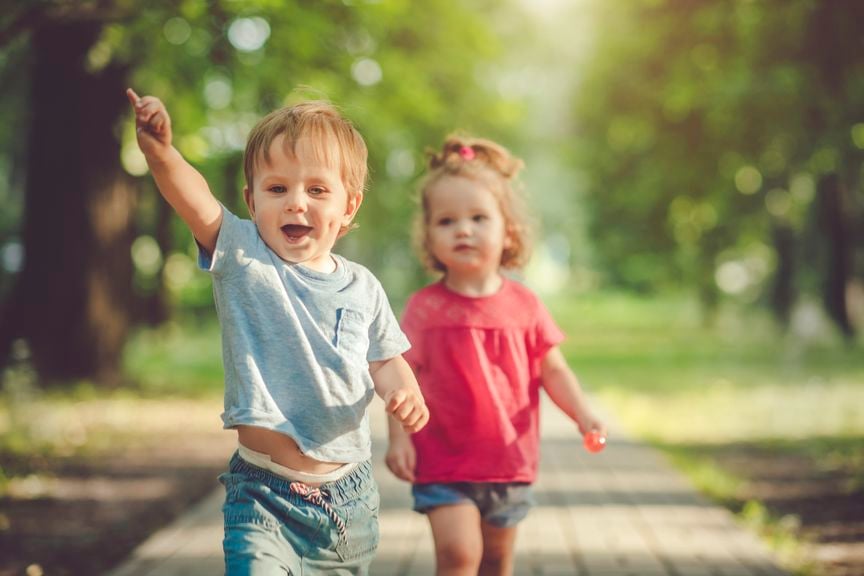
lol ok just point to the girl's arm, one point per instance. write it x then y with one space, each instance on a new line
564 390
401 457
180 184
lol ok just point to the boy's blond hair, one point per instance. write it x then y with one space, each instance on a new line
491 165
334 141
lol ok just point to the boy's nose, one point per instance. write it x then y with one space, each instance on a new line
295 202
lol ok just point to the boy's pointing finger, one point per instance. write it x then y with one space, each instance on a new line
134 99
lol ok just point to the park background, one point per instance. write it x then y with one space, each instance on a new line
695 168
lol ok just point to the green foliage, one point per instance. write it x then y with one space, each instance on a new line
176 360
405 73
690 131
695 122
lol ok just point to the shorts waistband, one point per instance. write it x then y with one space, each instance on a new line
262 460
347 488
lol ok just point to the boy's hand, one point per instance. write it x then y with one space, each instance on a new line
152 123
407 407
401 458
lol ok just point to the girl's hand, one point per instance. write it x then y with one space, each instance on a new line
152 124
407 407
589 423
401 458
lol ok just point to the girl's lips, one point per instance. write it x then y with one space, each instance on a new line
295 231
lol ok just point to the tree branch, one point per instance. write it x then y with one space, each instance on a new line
39 14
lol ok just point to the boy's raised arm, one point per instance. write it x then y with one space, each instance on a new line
180 184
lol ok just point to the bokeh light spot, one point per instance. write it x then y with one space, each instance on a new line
146 255
778 202
366 72
177 31
248 34
748 180
218 92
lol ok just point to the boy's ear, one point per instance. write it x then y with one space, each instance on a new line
352 207
250 201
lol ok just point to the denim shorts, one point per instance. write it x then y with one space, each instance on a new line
274 526
502 504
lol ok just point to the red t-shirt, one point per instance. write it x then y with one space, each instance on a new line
478 362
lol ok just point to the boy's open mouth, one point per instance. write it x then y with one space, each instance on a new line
295 231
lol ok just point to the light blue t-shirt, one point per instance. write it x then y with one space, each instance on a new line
296 343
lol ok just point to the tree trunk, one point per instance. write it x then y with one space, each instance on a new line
72 299
783 290
833 45
838 257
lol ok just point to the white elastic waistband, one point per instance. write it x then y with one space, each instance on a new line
264 461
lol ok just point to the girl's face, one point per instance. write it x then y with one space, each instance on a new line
466 231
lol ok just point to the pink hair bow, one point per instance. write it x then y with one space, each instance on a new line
467 153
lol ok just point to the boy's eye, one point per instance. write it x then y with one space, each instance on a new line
277 189
479 217
445 221
317 190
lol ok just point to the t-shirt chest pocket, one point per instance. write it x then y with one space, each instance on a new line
352 335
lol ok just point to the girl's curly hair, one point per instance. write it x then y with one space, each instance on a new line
492 166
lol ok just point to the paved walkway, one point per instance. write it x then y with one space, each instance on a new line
623 512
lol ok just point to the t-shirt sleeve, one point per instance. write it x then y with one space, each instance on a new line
234 234
413 330
386 339
546 334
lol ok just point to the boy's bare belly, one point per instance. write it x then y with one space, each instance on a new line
282 450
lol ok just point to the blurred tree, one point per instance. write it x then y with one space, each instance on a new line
834 52
405 73
70 301
706 130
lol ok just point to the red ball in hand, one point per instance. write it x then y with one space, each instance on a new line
594 441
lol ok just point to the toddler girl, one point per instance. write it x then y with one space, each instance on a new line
483 346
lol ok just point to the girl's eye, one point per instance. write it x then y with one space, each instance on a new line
317 190
445 221
277 189
479 217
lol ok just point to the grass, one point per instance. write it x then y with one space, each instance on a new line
669 378
177 359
